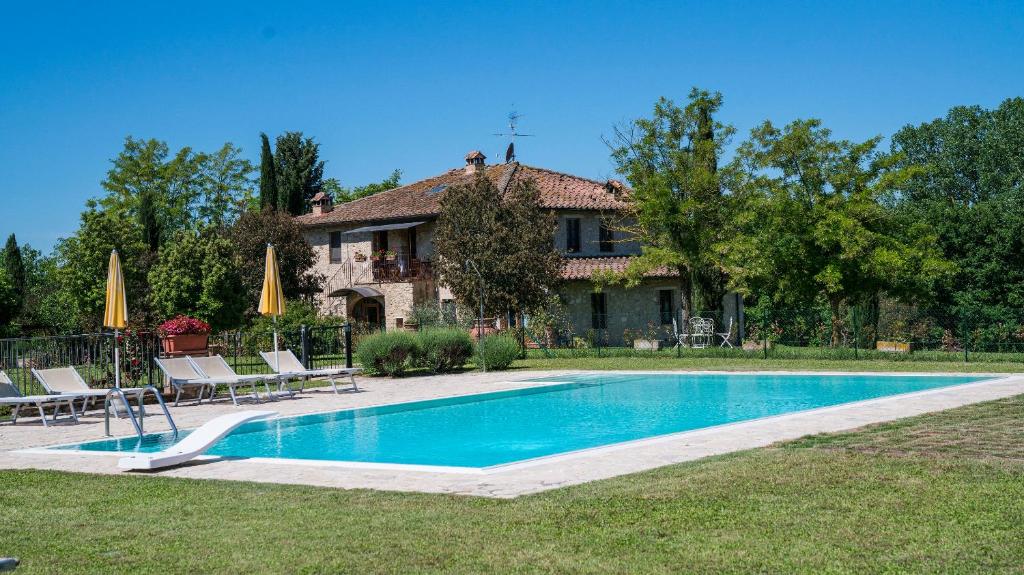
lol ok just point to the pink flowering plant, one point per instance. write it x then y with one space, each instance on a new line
183 325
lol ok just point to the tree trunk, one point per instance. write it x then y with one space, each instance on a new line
837 320
685 298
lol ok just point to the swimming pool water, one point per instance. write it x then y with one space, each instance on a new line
508 426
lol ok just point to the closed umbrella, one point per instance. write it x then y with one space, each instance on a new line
116 313
272 297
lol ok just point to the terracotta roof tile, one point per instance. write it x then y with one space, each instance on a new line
584 268
422 198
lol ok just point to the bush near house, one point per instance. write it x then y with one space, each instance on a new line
443 349
387 353
499 351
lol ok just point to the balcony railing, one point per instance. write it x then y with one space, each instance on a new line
401 268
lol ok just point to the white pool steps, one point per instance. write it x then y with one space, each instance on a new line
195 444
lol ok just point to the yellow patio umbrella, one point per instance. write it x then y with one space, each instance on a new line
116 313
272 297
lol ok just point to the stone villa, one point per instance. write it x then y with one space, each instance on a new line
376 252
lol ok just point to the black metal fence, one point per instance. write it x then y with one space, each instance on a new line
93 354
873 331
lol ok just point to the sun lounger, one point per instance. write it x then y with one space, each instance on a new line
215 367
292 368
183 375
67 381
10 395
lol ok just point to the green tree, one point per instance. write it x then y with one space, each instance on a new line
83 258
43 310
678 211
15 267
198 275
506 236
817 223
296 259
342 194
970 190
298 171
268 176
8 302
225 185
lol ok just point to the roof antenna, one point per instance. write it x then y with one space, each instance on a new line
510 152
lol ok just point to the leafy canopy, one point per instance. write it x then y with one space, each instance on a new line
816 221
198 275
507 236
678 211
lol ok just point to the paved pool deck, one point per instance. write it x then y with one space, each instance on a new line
20 443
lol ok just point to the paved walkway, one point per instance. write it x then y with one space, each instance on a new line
505 481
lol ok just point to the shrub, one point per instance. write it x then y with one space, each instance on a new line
387 353
499 351
443 350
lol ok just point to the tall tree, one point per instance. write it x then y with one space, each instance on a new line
83 257
970 190
298 171
149 221
15 267
817 222
225 186
198 275
678 211
268 175
507 237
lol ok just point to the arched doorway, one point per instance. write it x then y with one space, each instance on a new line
369 311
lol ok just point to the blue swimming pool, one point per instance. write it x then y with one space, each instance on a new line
575 413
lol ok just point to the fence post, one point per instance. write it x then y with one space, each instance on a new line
966 334
304 339
856 331
348 344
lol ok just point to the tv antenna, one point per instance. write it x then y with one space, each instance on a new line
512 134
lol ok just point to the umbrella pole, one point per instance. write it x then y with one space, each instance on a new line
277 351
117 361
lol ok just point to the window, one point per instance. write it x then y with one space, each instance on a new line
598 310
412 243
606 237
572 235
380 242
335 247
665 306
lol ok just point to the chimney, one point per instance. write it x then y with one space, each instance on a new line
475 162
322 203
616 187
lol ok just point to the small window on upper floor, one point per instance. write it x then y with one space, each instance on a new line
606 237
335 247
572 235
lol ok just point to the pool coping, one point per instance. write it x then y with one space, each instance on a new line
557 470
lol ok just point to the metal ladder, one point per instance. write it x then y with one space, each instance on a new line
140 421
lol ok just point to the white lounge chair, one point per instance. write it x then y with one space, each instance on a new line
215 367
292 368
182 375
9 395
67 381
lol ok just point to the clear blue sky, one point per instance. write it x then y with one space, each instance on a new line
415 85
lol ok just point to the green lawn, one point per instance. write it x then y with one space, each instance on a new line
936 493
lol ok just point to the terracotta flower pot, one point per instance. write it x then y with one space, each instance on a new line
186 343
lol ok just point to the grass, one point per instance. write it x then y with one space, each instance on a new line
937 493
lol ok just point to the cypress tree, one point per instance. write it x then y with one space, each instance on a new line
15 268
268 176
299 172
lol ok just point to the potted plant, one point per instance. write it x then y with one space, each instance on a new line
390 255
183 334
359 256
